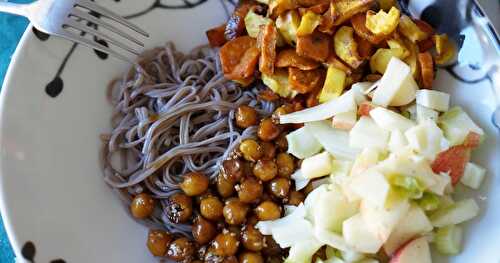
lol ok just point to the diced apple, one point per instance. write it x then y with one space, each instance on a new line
357 235
302 144
389 120
340 168
365 108
453 162
426 139
381 220
472 140
332 208
397 141
395 85
473 175
414 223
371 186
426 114
433 99
366 159
344 121
456 125
317 166
366 133
415 251
457 213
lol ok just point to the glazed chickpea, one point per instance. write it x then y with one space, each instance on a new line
268 150
252 239
194 184
268 210
203 230
211 208
286 164
252 220
235 212
246 116
271 248
181 249
250 190
231 259
142 206
295 198
198 198
268 130
158 242
282 110
251 150
179 208
233 170
224 186
274 259
265 170
251 257
281 142
225 244
280 187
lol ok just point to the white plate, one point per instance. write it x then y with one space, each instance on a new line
52 197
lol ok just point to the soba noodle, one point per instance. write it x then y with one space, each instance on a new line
173 113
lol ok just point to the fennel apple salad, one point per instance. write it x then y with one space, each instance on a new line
380 149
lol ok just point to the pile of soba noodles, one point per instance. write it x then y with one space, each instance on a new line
173 114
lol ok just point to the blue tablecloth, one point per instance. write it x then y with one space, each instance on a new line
11 29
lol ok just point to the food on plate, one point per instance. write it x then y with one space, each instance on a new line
311 131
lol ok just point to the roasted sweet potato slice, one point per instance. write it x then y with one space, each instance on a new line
373 77
278 7
365 48
424 26
290 58
327 19
247 65
315 46
304 81
317 9
345 9
359 24
268 95
310 3
235 26
216 37
232 52
346 47
267 41
426 69
333 60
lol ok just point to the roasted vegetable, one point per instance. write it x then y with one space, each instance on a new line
411 60
398 47
216 37
267 41
288 24
387 4
365 48
308 23
346 47
445 49
310 3
426 69
304 81
382 22
253 22
410 30
278 82
345 9
247 65
333 60
359 24
334 84
235 26
290 58
278 7
327 19
232 52
315 46
269 95
317 9
379 60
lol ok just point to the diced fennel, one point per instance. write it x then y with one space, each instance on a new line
390 120
300 181
302 143
457 213
426 114
408 186
433 99
429 202
371 186
448 240
317 165
332 208
335 141
456 125
345 120
366 133
426 139
397 80
351 256
473 175
357 235
303 251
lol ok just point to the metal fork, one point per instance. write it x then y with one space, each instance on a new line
75 19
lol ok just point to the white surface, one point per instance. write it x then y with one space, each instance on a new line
51 188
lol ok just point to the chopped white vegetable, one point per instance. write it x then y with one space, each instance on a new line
457 213
302 229
433 99
302 144
300 181
426 139
367 134
351 255
345 120
335 141
397 80
390 120
317 166
410 111
367 158
266 227
340 167
442 184
397 141
371 186
449 240
426 114
357 235
456 125
331 239
303 251
473 175
344 103
312 199
359 89
381 220
332 208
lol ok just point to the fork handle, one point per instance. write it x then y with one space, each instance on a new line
13 8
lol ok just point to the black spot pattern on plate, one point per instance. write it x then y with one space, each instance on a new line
28 251
58 261
55 87
101 54
40 35
432 15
